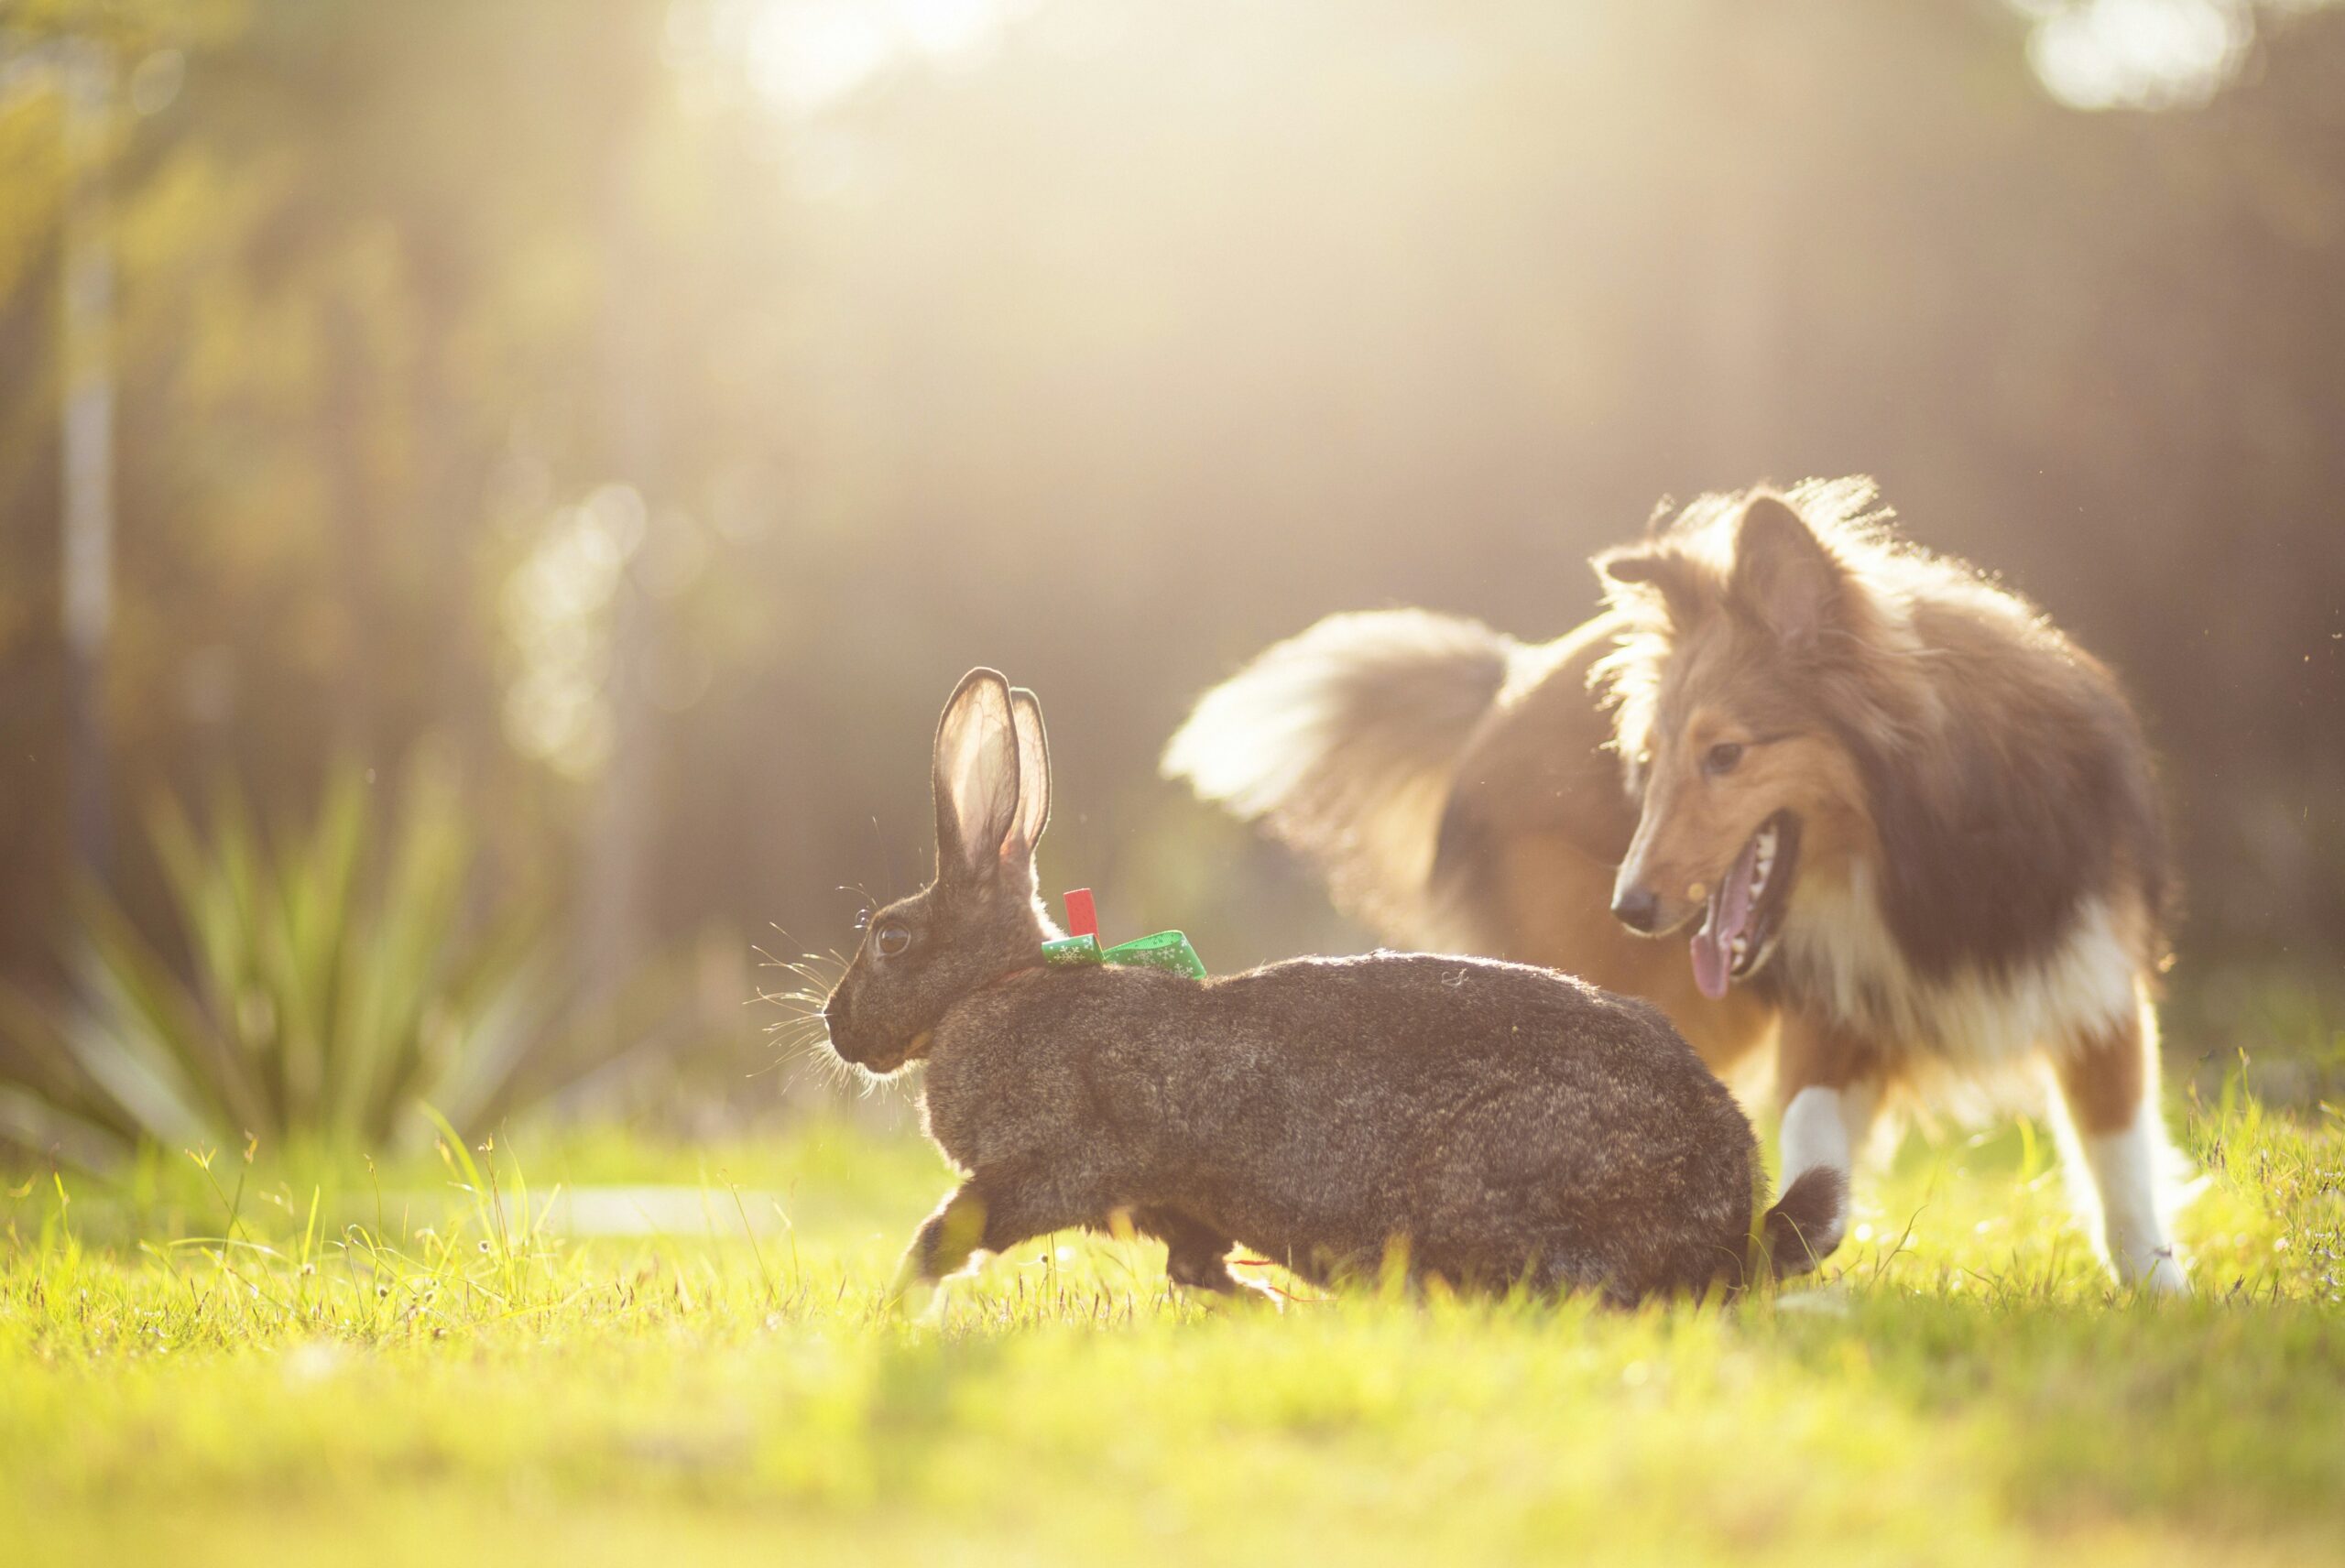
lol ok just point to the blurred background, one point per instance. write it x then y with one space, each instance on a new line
493 493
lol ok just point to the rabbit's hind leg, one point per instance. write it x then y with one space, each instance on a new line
1575 1273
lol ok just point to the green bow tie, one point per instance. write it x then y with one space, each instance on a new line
1165 949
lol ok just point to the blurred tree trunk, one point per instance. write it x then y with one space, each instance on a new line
88 444
619 829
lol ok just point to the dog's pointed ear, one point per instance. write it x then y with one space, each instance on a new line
976 776
1657 572
1784 576
1033 779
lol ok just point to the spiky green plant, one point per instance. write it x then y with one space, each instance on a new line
321 988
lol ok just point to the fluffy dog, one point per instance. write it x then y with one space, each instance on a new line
1914 828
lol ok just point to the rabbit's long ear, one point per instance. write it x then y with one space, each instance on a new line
977 775
1033 777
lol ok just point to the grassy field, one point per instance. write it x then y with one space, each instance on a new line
262 1362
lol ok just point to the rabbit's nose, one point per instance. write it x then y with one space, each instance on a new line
1637 908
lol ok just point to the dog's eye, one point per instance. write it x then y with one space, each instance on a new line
891 939
1721 757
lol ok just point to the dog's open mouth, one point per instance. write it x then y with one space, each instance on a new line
1746 909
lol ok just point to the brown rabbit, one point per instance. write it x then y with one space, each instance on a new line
1501 1124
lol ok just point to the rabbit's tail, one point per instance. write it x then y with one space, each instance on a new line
1806 1222
1341 742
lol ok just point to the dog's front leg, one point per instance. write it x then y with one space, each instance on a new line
2109 1083
1829 1083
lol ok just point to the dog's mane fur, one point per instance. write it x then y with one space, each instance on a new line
2005 775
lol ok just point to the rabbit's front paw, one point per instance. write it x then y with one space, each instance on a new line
920 1302
946 1242
908 1289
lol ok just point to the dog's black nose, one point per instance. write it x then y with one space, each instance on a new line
1637 908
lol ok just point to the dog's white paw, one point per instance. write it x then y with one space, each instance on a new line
2159 1273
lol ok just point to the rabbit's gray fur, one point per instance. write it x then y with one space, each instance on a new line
1503 1124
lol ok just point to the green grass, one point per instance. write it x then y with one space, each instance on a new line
375 1368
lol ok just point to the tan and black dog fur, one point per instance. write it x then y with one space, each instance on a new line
1946 805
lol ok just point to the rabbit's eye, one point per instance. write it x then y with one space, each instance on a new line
891 939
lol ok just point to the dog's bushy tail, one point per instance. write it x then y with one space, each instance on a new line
1341 742
1807 1217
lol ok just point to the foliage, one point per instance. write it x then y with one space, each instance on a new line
1104 351
332 987
329 1362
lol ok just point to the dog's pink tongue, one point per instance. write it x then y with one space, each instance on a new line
1709 956
1729 909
